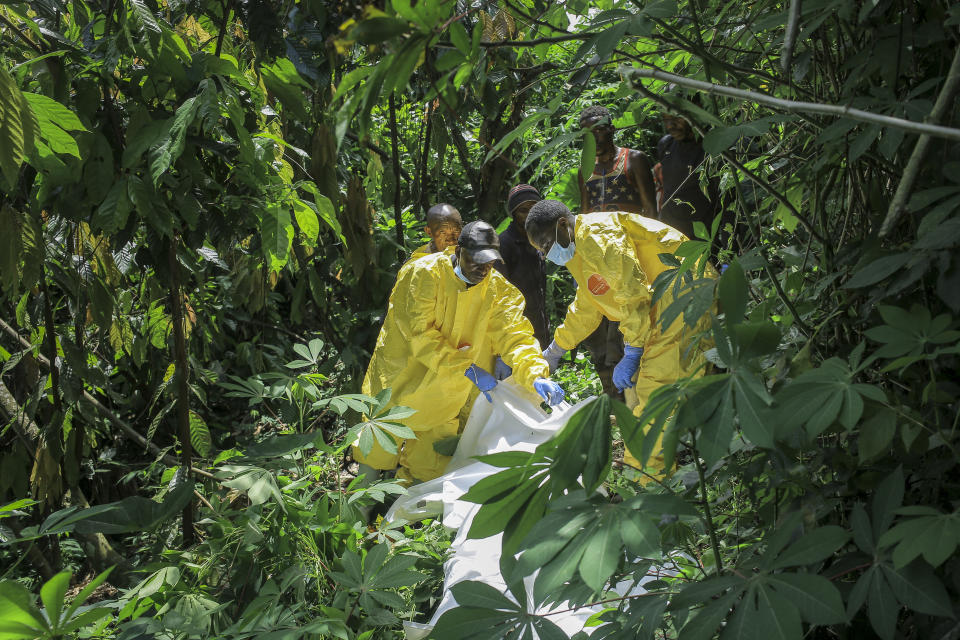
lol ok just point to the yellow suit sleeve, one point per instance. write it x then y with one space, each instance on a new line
583 317
512 336
415 301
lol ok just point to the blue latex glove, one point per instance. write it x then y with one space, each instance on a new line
552 355
627 367
501 370
484 381
549 390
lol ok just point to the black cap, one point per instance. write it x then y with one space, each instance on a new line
480 240
520 194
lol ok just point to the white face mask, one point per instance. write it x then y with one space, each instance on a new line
459 273
560 255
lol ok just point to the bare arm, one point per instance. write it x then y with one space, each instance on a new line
642 177
584 201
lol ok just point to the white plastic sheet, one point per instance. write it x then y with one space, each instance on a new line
509 423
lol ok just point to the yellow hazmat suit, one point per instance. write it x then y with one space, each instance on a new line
615 264
425 250
435 328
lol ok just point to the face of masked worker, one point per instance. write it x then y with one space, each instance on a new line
472 271
559 234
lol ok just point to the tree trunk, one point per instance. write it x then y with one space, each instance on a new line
183 390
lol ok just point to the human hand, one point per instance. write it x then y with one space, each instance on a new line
552 355
484 381
627 367
549 390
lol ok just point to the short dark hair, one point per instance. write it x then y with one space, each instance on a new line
545 213
596 111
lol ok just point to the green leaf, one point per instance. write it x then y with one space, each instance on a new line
467 622
112 214
284 81
52 593
882 609
602 554
813 547
55 121
481 595
887 498
18 126
493 517
695 593
86 618
588 155
876 434
459 37
818 600
85 593
307 221
277 234
919 588
281 445
640 535
376 30
704 624
10 246
199 434
754 339
171 143
733 293
878 270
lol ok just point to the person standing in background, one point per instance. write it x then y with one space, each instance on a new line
682 201
522 265
443 228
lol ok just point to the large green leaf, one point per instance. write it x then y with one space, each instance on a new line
55 123
165 151
817 599
18 126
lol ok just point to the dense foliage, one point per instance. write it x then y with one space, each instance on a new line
192 193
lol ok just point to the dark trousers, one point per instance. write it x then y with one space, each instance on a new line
606 350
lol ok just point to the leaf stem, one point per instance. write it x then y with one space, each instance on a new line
708 518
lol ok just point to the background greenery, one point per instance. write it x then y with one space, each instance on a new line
203 205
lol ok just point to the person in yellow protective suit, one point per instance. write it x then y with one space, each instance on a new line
450 314
443 228
614 257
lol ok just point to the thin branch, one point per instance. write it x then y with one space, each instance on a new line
23 36
223 27
912 170
842 111
708 517
384 155
537 42
395 153
790 37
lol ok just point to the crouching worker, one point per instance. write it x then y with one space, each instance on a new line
613 256
450 314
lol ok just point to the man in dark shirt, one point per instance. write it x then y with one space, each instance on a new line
681 156
523 265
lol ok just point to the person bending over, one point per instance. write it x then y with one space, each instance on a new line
614 257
